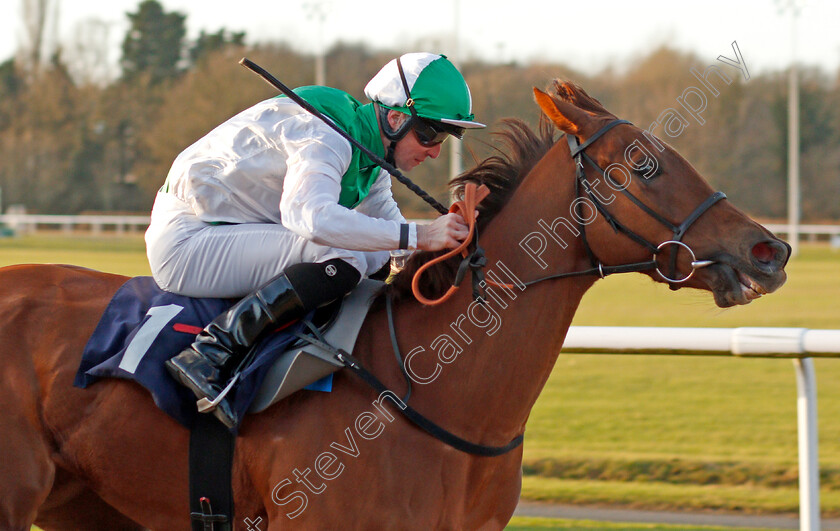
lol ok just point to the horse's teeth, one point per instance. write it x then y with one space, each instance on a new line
751 284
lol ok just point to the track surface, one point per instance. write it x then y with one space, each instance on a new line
576 512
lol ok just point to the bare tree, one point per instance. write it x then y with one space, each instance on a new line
40 23
87 54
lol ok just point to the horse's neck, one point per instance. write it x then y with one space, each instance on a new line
510 345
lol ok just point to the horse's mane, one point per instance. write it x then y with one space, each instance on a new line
502 172
521 148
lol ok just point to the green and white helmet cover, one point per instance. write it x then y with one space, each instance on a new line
437 88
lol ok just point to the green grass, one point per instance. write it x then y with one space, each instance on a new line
637 410
641 431
613 416
809 299
519 523
666 496
125 255
677 471
709 409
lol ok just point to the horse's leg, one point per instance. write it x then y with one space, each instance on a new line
35 303
26 470
71 505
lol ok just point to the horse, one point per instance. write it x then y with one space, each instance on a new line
106 458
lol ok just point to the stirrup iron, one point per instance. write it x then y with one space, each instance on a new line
205 406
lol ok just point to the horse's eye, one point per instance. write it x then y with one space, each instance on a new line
648 170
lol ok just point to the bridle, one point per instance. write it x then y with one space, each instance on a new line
578 154
476 260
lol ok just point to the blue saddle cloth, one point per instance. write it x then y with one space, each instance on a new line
143 326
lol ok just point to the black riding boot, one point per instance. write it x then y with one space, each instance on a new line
205 365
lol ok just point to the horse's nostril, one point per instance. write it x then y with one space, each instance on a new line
764 253
770 255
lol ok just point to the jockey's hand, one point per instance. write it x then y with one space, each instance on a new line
446 232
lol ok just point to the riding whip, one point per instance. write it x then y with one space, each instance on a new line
382 163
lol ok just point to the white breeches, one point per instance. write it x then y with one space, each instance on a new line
194 258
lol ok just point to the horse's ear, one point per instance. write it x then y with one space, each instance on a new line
564 115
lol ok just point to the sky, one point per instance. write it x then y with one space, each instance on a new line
589 35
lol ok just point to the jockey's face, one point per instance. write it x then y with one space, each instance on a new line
409 151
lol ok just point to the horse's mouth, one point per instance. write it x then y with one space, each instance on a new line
750 288
733 285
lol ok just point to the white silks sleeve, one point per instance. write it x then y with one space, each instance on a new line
380 203
309 204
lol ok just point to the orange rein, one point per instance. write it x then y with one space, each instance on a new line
473 195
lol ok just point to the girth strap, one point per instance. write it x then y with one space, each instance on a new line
211 459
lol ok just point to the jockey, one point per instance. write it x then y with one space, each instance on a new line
276 207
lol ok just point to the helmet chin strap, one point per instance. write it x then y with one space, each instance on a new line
390 133
389 153
405 127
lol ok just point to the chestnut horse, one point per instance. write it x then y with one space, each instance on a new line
107 458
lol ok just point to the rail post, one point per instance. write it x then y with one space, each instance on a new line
809 472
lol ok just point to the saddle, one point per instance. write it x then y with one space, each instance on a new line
143 326
305 363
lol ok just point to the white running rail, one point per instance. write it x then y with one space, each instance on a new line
801 344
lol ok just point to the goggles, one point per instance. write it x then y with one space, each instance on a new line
430 133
